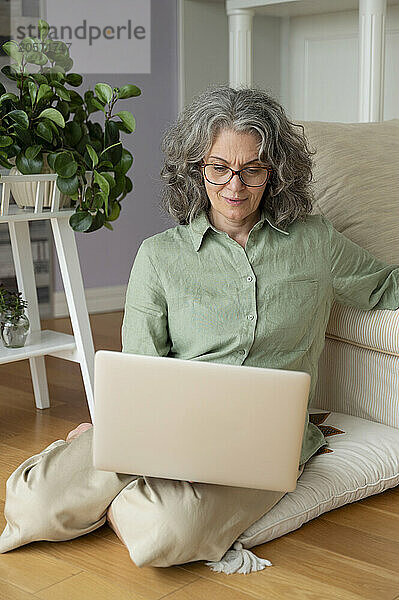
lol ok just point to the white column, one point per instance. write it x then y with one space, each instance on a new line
240 46
371 59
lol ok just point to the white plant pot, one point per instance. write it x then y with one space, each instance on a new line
24 194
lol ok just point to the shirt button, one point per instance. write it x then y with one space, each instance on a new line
249 278
242 351
250 317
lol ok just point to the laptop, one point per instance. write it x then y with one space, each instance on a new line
198 421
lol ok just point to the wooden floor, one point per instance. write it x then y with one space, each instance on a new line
351 553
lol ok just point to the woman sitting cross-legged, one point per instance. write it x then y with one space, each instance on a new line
246 277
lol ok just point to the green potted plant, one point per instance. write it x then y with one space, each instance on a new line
14 324
47 126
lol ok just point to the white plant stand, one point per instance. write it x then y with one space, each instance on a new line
77 347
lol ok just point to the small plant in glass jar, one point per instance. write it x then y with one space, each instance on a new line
14 324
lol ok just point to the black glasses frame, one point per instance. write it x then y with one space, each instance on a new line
233 172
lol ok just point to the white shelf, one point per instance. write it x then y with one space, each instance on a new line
27 214
78 347
39 343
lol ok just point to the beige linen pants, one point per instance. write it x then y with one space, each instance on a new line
162 522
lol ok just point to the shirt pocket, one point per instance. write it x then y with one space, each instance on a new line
290 307
204 310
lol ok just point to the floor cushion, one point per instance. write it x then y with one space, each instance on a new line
361 459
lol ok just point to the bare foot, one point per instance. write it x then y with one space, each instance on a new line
78 431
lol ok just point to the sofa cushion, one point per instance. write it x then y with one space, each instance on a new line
371 329
361 459
358 382
357 181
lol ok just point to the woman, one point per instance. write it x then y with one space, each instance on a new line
247 277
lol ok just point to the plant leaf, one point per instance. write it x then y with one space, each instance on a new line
104 92
128 184
109 178
111 137
128 91
12 49
74 79
111 133
4 160
93 155
29 166
5 140
68 185
36 58
39 77
93 104
9 96
98 200
76 99
127 119
102 182
54 115
44 131
109 147
44 92
22 134
125 162
80 115
80 221
65 165
118 187
9 72
73 133
63 107
114 212
98 221
61 91
32 151
32 91
20 117
107 164
51 156
43 28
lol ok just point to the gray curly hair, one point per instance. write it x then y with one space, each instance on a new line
288 194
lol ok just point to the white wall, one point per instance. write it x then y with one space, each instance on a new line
205 50
323 66
309 63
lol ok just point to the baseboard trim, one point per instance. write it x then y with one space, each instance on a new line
99 299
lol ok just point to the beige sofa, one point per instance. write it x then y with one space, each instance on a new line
357 188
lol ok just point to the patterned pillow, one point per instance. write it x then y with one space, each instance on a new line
361 459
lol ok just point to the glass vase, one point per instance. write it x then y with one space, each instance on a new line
14 330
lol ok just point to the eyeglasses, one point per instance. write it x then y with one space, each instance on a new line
250 176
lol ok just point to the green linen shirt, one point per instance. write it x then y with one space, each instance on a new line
195 293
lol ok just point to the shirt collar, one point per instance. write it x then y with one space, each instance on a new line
200 225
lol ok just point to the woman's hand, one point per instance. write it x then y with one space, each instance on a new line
78 431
